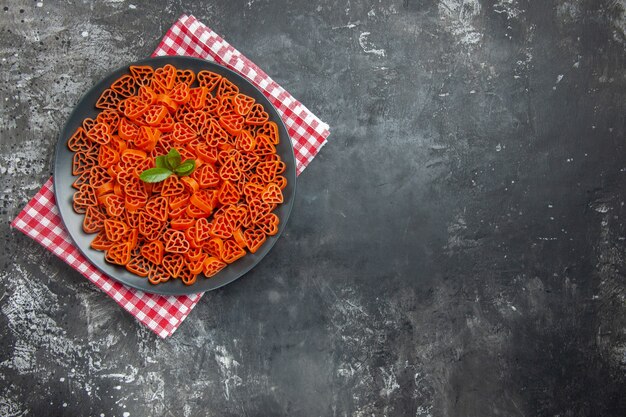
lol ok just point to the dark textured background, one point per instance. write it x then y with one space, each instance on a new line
457 249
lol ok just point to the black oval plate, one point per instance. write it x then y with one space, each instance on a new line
64 192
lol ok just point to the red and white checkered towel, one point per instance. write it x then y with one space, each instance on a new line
163 314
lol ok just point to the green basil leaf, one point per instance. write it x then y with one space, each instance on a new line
161 162
155 174
185 168
173 158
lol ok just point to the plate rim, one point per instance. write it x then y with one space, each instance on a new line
165 289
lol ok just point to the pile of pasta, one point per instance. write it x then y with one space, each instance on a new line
188 225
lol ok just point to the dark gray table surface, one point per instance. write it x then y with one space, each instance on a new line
458 248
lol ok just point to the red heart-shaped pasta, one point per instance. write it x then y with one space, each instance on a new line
196 221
